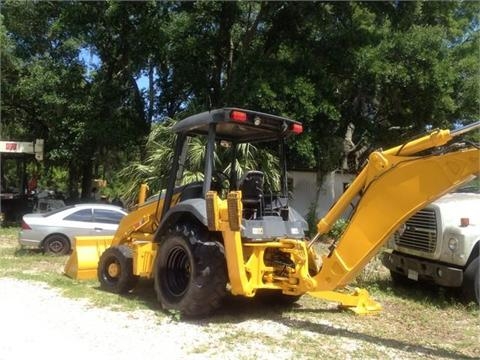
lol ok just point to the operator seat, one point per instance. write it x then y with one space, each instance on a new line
251 186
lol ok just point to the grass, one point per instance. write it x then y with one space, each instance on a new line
33 265
417 322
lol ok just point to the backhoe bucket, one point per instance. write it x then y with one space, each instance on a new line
83 262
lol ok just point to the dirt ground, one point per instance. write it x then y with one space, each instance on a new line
38 322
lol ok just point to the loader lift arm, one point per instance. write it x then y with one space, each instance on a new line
392 186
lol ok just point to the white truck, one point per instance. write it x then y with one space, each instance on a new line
440 243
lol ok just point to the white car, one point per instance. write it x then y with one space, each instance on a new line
54 231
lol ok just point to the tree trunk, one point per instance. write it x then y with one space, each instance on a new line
151 92
72 190
87 179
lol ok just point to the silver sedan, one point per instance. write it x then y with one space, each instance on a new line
54 231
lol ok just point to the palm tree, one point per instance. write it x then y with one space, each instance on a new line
159 149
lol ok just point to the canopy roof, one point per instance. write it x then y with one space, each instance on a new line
239 125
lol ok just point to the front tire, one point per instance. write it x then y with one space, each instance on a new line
190 274
471 282
400 279
115 270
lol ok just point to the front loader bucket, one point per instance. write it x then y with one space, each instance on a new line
83 263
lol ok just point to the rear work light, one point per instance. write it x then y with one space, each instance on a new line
25 226
297 128
238 116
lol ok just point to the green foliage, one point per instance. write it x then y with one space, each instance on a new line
377 65
55 179
154 170
312 219
337 229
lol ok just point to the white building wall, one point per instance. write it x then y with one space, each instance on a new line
304 190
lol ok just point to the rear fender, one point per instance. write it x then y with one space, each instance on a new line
188 211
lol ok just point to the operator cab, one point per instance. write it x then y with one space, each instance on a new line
264 202
251 186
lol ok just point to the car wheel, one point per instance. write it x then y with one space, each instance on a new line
115 270
190 275
471 282
56 245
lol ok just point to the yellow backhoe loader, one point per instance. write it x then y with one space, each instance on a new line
202 240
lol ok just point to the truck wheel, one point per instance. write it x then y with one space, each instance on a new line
471 282
190 275
115 270
56 245
400 279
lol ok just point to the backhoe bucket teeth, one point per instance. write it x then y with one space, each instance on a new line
359 301
83 262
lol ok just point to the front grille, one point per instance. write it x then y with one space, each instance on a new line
420 232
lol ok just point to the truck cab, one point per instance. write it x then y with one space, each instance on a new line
440 243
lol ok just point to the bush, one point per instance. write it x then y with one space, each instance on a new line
337 229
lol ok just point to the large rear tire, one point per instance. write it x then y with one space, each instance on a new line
471 282
190 272
115 270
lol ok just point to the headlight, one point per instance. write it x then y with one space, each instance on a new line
401 229
399 232
452 243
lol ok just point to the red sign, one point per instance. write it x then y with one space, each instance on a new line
11 146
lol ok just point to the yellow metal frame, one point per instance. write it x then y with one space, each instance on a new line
245 261
392 188
392 193
144 257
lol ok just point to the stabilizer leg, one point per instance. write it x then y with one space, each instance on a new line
359 301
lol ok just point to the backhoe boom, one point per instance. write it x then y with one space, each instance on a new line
391 188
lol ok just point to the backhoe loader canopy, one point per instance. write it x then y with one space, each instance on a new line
239 125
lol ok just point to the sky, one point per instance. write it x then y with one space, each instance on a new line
92 62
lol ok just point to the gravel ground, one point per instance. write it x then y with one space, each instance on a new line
37 322
59 328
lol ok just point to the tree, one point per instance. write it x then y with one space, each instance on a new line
83 116
379 66
46 95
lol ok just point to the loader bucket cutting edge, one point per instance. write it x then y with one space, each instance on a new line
83 262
